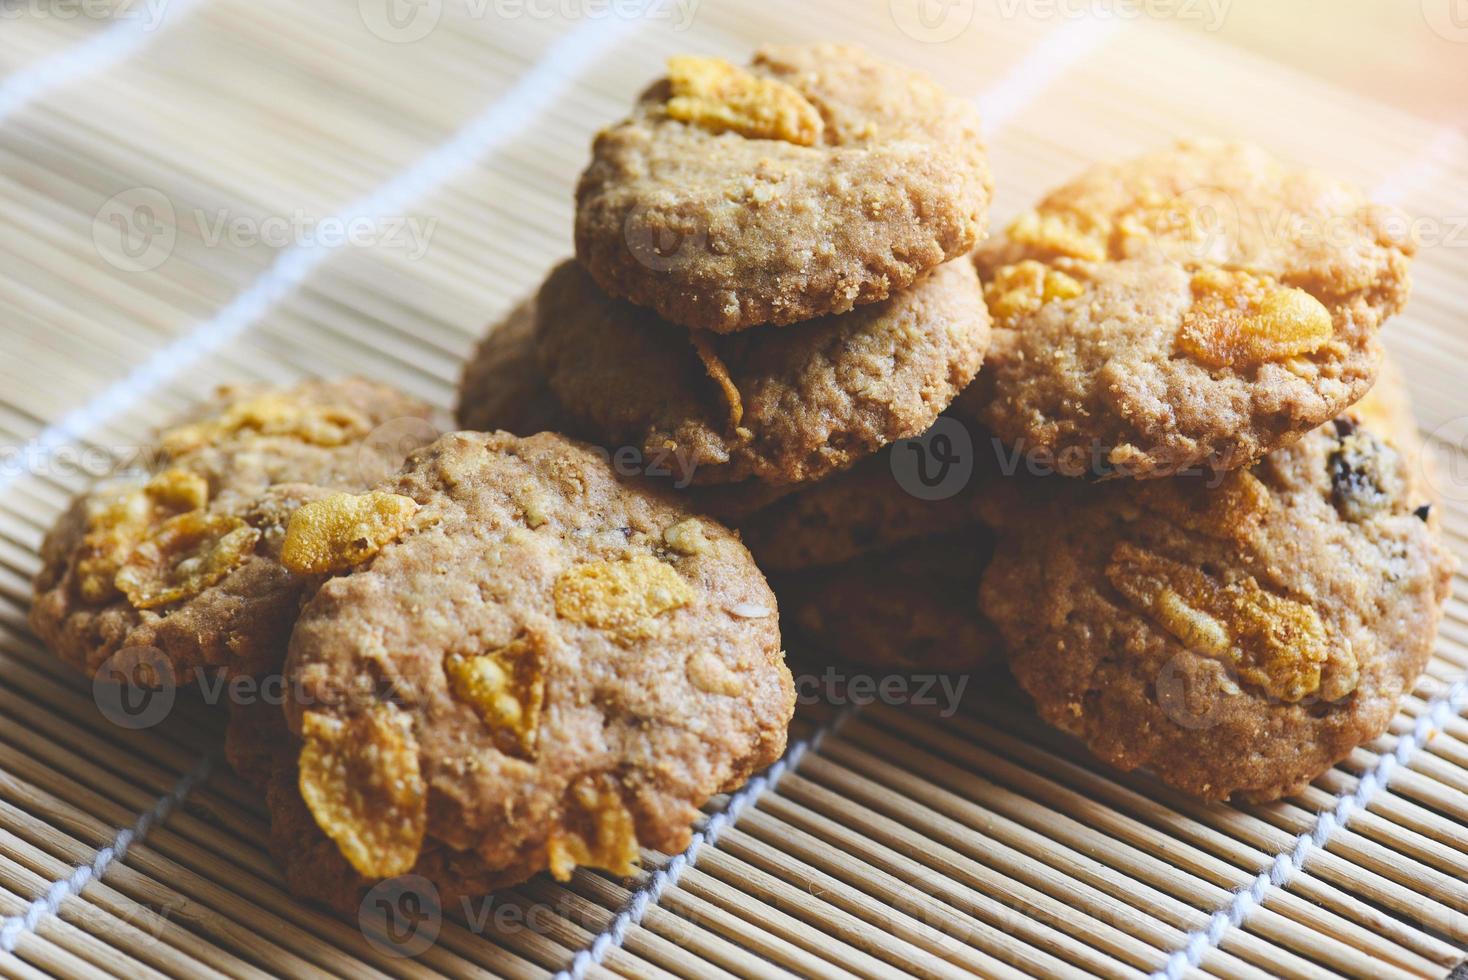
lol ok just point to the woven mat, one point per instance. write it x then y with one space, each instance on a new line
147 173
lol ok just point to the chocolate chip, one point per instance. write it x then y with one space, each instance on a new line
1423 511
1363 476
1344 426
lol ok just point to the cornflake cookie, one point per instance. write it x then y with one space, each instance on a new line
786 406
908 607
1201 305
1237 641
815 180
185 561
542 668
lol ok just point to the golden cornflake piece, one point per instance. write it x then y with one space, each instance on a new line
612 840
361 781
1024 287
123 521
345 529
687 537
1062 232
1226 511
708 672
1240 319
272 414
184 556
506 686
623 597
713 94
718 372
1274 643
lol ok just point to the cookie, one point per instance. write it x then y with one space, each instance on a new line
503 387
1202 305
179 568
521 663
781 406
813 181
1237 640
909 607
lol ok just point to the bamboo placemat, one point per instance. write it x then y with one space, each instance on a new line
891 841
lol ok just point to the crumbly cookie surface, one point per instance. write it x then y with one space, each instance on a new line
1237 641
907 607
816 179
786 406
185 560
546 667
1200 305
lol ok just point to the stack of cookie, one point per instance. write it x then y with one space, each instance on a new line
771 286
1233 571
493 659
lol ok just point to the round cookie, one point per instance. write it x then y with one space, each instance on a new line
1202 305
179 569
785 406
530 665
909 607
1236 640
817 179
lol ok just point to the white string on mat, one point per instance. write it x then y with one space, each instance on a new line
651 891
563 62
504 118
1394 188
1286 865
13 927
96 54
